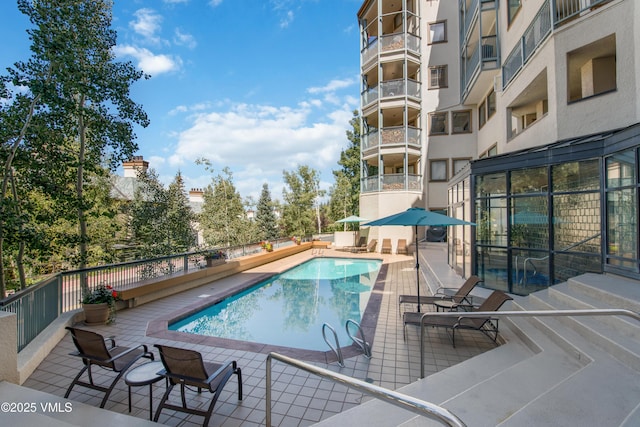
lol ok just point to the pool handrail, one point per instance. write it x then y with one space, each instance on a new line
404 401
360 341
530 313
335 349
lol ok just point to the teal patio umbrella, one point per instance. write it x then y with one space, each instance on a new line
418 217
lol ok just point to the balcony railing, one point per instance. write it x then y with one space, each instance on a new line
391 182
553 13
370 140
400 87
370 51
396 41
370 95
400 135
468 16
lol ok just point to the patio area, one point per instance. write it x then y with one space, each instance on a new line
299 398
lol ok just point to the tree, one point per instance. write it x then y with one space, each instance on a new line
265 215
77 94
148 215
222 218
345 194
180 218
302 189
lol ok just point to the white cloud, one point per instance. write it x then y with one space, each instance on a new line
149 62
147 24
261 140
184 39
214 3
287 19
176 1
332 86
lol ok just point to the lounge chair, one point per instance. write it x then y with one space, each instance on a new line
485 325
459 299
386 246
186 367
371 247
93 350
361 246
402 247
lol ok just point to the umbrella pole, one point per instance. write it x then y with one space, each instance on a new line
417 269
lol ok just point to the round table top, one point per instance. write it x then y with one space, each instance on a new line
144 374
445 303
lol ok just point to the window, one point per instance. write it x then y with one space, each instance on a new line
438 170
491 104
514 7
437 77
458 164
437 32
461 121
438 124
482 113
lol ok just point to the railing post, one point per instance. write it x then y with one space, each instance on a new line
268 392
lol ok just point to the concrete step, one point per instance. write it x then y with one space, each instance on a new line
613 290
619 335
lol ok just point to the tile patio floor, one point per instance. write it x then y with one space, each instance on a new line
299 398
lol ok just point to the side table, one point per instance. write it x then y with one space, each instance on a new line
145 374
445 305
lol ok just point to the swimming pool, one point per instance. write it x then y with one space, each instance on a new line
290 308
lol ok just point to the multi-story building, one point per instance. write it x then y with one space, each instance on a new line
522 116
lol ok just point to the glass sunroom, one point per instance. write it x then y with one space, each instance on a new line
549 213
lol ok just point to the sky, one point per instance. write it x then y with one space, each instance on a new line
258 86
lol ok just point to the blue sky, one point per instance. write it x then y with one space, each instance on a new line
260 86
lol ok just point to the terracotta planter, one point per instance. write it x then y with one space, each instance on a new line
96 314
213 262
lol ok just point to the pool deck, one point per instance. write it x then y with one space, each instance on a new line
298 398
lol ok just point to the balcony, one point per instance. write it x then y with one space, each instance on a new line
368 96
391 182
400 87
390 43
389 137
552 14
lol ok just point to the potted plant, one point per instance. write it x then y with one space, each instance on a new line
267 246
99 305
296 240
215 257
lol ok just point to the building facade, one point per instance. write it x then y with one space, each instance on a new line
520 116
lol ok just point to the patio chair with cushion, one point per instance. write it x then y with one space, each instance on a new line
186 367
486 325
93 350
402 247
460 299
386 246
371 247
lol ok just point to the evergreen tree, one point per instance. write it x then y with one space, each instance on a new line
265 215
180 218
148 214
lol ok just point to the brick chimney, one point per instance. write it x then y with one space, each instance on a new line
133 165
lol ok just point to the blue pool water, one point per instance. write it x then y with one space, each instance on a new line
289 309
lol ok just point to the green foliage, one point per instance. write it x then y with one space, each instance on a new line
345 193
300 194
223 220
74 115
266 220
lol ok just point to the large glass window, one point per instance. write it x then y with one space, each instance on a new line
621 169
533 180
576 176
622 227
461 121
